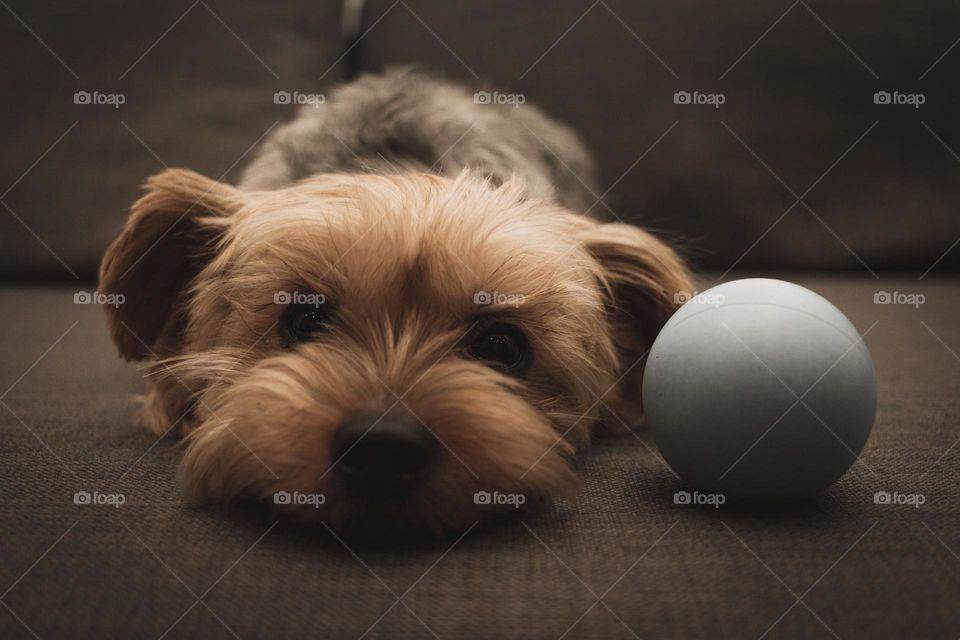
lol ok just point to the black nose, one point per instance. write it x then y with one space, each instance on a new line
382 454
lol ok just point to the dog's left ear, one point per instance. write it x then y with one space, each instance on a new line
171 234
643 278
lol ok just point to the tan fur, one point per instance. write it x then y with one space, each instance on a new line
401 257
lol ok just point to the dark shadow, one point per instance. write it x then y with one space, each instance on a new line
832 507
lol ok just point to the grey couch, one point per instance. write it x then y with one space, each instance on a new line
623 560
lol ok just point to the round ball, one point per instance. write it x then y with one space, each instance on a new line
759 390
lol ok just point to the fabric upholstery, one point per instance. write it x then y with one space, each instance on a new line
198 82
798 81
663 571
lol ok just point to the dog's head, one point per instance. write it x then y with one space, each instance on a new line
359 347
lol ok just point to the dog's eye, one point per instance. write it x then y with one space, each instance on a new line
502 345
301 322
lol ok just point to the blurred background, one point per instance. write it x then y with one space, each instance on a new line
758 135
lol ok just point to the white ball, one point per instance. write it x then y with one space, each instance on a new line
760 390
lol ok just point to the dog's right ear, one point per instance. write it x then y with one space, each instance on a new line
171 234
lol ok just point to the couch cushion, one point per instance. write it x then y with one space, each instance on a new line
663 570
800 97
197 82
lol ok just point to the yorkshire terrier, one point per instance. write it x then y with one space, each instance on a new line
397 316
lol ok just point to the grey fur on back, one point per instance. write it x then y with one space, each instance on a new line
405 120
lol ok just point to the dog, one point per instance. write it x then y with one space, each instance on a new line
398 317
